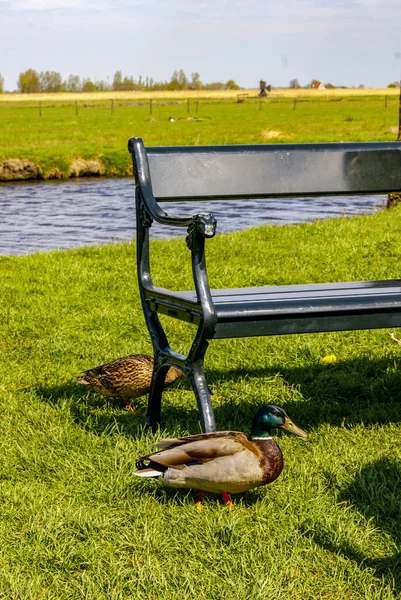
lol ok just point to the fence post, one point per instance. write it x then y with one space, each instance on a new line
399 117
188 105
40 109
76 108
112 107
295 103
197 104
150 106
385 102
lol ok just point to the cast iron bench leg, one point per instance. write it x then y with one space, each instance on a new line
196 376
199 385
155 397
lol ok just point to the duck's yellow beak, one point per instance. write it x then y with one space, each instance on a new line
292 428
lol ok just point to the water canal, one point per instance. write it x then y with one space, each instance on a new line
38 217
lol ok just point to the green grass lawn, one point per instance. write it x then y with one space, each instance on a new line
59 136
75 523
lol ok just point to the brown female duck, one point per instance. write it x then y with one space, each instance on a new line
128 377
223 462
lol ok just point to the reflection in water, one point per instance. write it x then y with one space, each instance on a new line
45 216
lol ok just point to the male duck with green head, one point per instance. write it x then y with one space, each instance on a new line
223 462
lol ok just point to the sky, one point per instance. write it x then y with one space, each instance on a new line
343 42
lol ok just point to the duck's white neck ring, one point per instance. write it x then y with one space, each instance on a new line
268 437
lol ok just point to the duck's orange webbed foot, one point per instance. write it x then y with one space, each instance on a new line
227 500
129 406
199 500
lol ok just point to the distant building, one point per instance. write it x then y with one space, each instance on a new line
318 85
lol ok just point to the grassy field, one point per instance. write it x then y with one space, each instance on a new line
76 524
87 135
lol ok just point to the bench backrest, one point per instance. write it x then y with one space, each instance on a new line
274 170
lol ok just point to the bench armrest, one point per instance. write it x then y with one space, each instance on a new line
199 227
205 222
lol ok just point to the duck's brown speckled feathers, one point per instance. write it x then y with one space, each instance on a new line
127 377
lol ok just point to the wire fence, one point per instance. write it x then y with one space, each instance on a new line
192 105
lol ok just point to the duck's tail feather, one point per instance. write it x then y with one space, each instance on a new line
148 469
146 473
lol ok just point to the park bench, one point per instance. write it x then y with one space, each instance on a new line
252 172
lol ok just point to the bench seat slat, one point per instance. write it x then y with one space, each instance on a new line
287 306
304 292
299 308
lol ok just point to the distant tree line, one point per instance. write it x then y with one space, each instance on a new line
178 81
32 82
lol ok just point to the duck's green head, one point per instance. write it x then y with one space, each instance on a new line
271 417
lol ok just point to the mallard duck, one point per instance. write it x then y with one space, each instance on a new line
128 377
223 462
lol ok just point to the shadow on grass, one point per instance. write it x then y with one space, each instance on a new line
172 496
342 394
375 494
360 391
93 412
